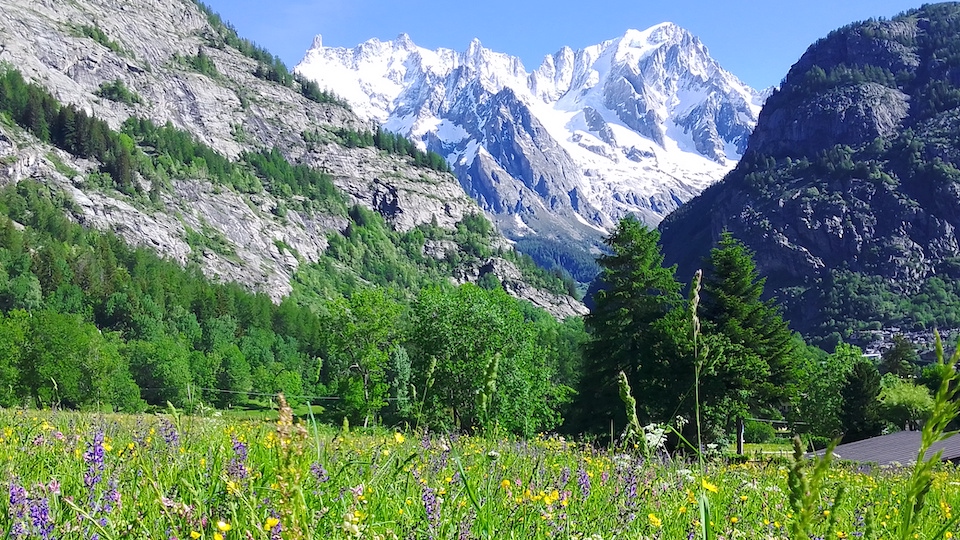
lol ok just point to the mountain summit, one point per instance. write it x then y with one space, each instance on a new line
634 125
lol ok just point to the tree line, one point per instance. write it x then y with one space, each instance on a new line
68 128
392 143
749 362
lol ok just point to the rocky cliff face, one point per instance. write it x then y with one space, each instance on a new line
73 48
634 125
848 191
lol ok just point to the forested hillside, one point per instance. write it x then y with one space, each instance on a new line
134 330
147 257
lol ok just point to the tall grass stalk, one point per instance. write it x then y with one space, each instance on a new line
805 489
634 431
698 361
945 409
706 519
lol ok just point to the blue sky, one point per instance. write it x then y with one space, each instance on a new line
756 40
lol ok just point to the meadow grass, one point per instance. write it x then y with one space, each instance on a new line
77 475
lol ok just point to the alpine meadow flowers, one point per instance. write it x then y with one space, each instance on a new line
168 476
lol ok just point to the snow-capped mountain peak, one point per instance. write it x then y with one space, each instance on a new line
636 124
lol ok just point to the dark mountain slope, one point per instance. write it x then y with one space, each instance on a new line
850 189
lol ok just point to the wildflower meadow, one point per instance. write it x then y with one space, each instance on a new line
91 476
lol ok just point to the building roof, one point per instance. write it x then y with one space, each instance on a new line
900 447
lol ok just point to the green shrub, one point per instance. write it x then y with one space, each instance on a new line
757 432
117 91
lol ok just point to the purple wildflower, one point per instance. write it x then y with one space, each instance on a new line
112 496
564 476
237 469
631 487
465 525
276 530
18 506
319 472
431 504
94 457
169 433
40 517
30 515
583 479
441 463
18 495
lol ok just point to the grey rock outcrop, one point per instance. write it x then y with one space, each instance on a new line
147 47
850 115
511 279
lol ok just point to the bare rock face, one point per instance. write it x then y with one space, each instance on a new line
406 196
511 279
230 109
242 238
851 115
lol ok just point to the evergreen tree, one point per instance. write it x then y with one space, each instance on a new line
900 359
860 414
762 350
635 291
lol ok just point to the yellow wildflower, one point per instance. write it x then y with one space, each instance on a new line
270 523
708 486
654 520
223 526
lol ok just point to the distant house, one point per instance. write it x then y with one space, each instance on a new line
900 447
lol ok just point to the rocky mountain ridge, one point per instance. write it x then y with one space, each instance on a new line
848 189
634 125
150 47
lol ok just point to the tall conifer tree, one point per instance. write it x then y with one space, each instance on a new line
761 355
635 291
